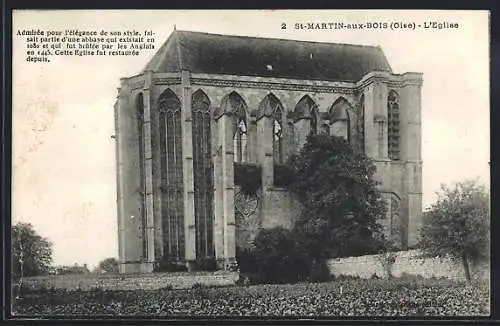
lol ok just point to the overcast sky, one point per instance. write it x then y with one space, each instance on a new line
63 153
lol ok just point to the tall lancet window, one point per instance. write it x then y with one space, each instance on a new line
271 107
240 142
203 175
393 133
234 104
277 133
172 186
314 121
360 125
277 142
142 181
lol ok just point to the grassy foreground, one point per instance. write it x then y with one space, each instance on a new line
337 298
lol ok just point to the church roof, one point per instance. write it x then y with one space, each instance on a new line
253 56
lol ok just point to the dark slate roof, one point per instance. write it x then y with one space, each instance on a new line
253 56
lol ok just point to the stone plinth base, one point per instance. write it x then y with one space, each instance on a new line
136 267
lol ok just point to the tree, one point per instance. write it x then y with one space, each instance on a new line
109 265
31 253
342 205
458 225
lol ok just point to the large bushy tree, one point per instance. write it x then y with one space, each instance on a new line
457 225
342 205
31 253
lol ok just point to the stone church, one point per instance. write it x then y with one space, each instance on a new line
208 105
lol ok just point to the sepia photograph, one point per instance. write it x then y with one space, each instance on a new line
250 163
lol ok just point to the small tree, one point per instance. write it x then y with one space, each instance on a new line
342 205
109 265
458 224
31 253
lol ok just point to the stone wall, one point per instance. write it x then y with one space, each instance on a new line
283 211
148 281
247 217
250 217
406 262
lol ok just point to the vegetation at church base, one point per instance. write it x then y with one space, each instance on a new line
342 206
343 297
342 210
458 225
109 265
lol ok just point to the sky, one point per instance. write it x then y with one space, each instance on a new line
63 157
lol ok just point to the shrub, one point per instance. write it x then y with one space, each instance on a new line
167 265
283 175
247 260
198 286
206 264
319 272
278 260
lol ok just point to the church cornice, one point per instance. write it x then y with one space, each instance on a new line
391 80
167 80
218 82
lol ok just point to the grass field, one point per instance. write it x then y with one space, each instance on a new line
435 297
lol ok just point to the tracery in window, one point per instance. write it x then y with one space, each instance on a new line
306 108
340 122
203 174
393 133
172 186
271 107
234 104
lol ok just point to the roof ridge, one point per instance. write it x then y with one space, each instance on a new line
252 55
279 39
178 47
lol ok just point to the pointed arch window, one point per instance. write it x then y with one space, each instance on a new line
240 142
393 133
340 121
271 107
360 124
277 142
172 185
203 174
234 104
142 175
306 108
